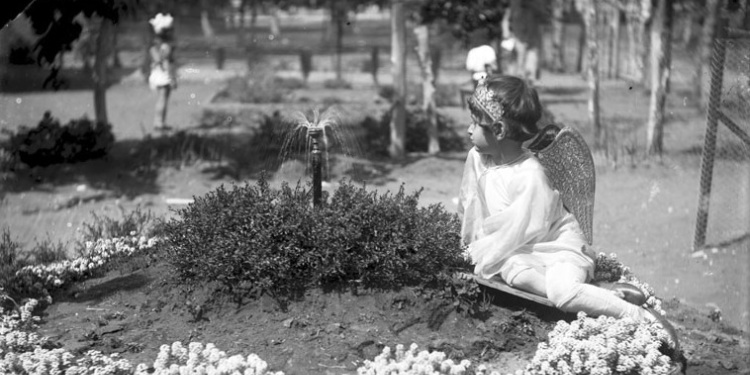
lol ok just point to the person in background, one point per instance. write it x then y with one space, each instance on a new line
162 77
481 62
522 31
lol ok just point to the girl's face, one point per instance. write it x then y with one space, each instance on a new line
480 133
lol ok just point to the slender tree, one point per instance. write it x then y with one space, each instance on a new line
590 11
614 59
339 13
422 32
705 49
206 28
661 56
398 57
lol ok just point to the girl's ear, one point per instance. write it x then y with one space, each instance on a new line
500 130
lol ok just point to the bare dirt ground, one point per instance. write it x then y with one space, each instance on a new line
645 212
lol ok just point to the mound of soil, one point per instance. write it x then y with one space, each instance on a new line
136 309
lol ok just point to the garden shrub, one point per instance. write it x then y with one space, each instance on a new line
48 251
11 259
182 148
339 84
50 142
7 163
254 239
446 95
377 136
259 87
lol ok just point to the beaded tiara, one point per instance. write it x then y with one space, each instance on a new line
485 100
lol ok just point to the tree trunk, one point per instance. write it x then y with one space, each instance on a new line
590 15
615 51
636 29
688 21
558 64
103 42
275 26
398 58
241 26
705 49
253 19
148 40
422 33
116 62
206 28
661 55
605 39
338 17
647 24
580 61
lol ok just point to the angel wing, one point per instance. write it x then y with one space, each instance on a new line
570 168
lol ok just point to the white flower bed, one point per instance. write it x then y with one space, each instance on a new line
42 278
412 363
601 346
199 360
589 346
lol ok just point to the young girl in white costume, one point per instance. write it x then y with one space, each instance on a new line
162 77
513 221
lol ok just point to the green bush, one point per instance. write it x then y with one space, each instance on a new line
48 251
339 84
259 87
446 95
377 136
11 259
50 142
254 239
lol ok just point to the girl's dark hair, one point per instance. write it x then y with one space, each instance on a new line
520 102
544 138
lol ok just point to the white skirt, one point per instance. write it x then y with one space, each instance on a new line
159 78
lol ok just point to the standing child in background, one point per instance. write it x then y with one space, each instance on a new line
481 62
162 77
513 221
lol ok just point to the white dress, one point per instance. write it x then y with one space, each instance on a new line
512 209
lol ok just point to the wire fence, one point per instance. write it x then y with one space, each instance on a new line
724 201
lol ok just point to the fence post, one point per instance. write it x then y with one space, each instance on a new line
220 57
305 62
709 143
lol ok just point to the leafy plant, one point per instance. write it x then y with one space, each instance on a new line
181 149
260 87
253 239
467 297
10 258
337 84
50 142
47 251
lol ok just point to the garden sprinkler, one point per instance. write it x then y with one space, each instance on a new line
315 133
